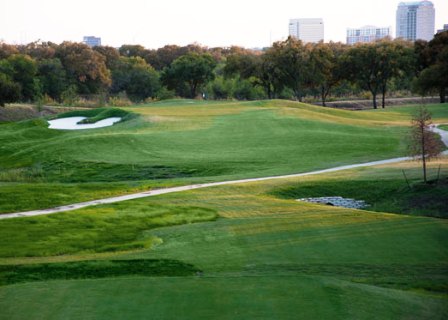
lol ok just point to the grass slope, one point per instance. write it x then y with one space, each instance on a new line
187 141
264 257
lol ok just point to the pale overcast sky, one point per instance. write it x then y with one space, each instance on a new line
155 23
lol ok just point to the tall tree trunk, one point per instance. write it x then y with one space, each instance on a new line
324 96
442 95
375 105
422 132
193 87
383 102
424 168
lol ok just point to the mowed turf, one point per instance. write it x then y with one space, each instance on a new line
179 142
264 257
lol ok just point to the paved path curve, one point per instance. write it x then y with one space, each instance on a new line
442 133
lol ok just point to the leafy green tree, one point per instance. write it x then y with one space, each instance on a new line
137 78
396 60
52 77
70 95
9 90
251 72
7 50
22 69
220 88
131 50
325 67
110 53
268 75
163 57
39 50
85 67
290 64
244 89
361 65
191 72
434 60
242 64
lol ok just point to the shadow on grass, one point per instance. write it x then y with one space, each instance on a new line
10 274
382 195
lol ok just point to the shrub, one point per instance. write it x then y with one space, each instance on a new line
121 100
70 96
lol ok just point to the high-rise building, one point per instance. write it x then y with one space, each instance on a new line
367 34
445 28
416 20
307 30
92 41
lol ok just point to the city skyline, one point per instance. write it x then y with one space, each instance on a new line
366 34
415 20
308 29
155 24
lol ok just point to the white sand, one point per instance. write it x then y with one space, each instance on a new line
71 123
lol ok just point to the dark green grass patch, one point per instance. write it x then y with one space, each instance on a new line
383 195
106 228
429 277
270 297
94 269
76 171
97 114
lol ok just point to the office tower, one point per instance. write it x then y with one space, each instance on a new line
307 30
445 28
416 20
367 34
92 41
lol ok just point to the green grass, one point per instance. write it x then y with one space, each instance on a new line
29 196
438 112
264 257
94 269
97 114
246 251
190 141
106 229
392 195
265 297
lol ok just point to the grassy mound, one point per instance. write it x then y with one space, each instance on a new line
110 228
97 114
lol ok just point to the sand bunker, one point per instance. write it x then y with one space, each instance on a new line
71 123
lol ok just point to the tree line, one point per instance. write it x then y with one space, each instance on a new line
288 69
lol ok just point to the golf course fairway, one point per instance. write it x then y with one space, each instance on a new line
243 251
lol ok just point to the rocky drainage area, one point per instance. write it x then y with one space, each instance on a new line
337 202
